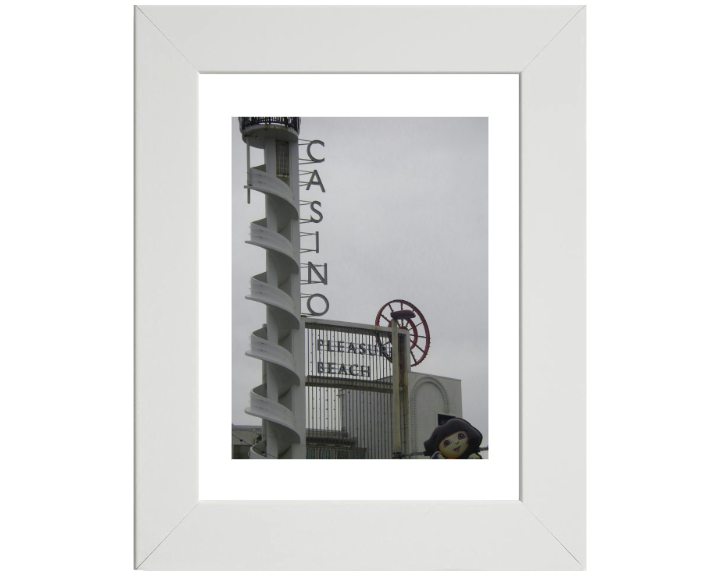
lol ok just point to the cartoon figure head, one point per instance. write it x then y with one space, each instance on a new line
456 439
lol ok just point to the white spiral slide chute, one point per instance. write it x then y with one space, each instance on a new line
278 299
263 182
274 412
262 237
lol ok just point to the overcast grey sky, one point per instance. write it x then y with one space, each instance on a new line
405 217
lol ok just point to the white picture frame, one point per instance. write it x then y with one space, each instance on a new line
545 528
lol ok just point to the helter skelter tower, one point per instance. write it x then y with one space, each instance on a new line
280 400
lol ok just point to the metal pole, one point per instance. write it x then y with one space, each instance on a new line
396 405
406 386
247 147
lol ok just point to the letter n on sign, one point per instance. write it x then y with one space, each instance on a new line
312 268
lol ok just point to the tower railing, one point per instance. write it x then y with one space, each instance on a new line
287 121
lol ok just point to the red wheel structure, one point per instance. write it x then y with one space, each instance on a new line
411 319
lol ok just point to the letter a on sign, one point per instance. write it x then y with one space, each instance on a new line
312 181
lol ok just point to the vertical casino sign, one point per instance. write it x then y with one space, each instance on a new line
316 304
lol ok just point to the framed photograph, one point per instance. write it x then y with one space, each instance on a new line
538 522
404 214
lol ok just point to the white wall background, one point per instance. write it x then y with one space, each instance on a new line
427 400
66 292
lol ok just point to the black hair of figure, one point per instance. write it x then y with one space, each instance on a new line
432 445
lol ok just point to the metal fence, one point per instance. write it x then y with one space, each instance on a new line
348 391
288 121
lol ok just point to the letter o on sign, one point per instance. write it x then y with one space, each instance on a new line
310 308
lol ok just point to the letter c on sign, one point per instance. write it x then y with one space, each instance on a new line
309 307
316 160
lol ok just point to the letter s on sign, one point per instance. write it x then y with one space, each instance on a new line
312 207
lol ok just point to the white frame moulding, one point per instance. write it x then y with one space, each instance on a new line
545 529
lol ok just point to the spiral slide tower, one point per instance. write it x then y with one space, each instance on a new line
280 399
